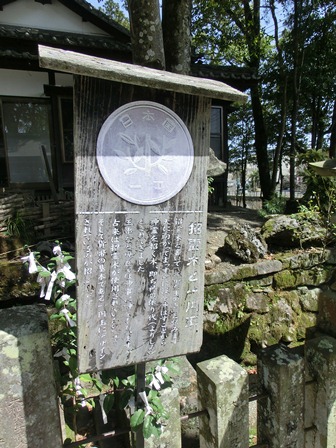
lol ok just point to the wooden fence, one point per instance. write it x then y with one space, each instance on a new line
35 216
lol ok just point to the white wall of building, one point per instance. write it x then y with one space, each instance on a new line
22 83
28 84
53 16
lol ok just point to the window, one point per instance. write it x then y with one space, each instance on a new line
66 129
3 161
25 128
216 131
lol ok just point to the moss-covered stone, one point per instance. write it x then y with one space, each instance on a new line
285 279
293 278
305 321
296 230
327 312
211 293
15 282
302 259
10 247
223 273
260 281
309 298
290 298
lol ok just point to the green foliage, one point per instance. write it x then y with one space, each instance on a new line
274 206
18 226
113 10
243 34
320 191
56 280
225 33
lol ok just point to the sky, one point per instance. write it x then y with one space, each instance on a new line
96 4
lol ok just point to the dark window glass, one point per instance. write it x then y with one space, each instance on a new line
26 129
216 131
66 109
3 163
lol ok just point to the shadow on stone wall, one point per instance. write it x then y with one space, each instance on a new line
231 343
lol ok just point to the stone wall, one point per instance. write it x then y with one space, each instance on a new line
247 306
252 306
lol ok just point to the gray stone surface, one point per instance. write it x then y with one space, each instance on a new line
215 166
245 244
223 392
171 433
321 359
326 320
258 302
28 405
294 231
280 415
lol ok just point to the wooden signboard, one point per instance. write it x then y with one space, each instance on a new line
141 205
141 223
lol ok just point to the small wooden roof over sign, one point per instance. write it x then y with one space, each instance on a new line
79 64
325 168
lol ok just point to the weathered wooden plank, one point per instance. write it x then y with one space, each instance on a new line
140 267
80 64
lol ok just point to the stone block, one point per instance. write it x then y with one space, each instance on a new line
258 302
171 433
280 415
321 361
223 272
305 277
309 298
326 320
224 393
29 411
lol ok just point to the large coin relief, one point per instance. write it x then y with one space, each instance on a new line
145 153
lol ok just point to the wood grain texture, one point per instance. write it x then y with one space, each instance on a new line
140 268
80 64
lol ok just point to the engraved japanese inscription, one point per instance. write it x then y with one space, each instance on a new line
145 153
144 279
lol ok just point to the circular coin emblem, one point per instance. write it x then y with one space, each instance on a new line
145 153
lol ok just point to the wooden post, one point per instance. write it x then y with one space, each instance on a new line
140 387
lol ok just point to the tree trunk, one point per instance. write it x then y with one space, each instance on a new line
314 124
283 105
332 145
261 144
252 33
176 20
146 33
297 60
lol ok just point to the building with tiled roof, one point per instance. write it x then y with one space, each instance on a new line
36 104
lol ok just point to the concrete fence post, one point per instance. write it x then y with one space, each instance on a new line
171 434
321 362
281 414
223 390
29 412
